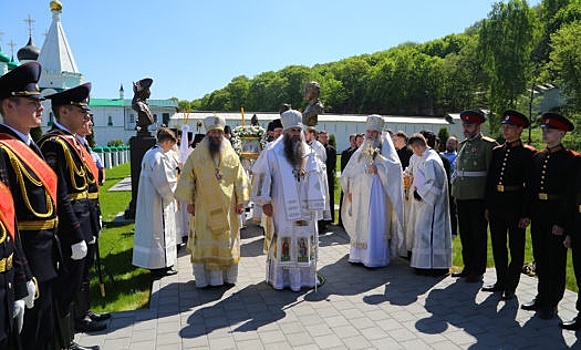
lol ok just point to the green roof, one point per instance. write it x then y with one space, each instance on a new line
115 102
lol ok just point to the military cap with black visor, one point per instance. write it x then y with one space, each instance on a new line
472 117
77 96
22 82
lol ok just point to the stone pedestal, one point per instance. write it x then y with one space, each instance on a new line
139 145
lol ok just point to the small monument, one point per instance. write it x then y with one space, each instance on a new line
311 93
143 141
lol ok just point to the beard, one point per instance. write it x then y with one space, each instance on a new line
373 142
215 146
293 150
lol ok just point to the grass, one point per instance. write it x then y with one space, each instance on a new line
126 287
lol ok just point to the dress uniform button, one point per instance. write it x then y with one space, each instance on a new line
9 285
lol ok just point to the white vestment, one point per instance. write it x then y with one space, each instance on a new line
408 208
154 244
297 200
432 247
372 210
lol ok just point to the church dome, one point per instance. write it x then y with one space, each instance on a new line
29 52
4 57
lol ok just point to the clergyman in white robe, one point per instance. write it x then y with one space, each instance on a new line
154 244
432 248
294 195
372 210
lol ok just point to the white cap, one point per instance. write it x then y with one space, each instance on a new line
214 122
291 119
375 122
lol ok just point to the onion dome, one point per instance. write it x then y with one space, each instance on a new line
4 57
29 52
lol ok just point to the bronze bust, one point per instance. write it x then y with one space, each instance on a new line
139 104
314 107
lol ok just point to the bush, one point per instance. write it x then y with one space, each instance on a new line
115 142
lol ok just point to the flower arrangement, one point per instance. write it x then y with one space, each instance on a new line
245 132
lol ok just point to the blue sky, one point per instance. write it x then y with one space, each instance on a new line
192 47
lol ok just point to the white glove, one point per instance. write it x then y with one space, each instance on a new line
19 314
29 299
79 250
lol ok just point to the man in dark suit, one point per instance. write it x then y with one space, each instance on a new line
552 193
34 189
506 203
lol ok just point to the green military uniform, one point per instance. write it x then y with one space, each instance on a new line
474 156
469 188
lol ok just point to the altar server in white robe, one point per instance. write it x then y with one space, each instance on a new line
432 248
288 183
154 245
372 210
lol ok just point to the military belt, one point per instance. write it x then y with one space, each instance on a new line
503 188
94 195
471 173
6 263
550 197
37 225
77 196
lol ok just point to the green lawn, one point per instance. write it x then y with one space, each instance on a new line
126 287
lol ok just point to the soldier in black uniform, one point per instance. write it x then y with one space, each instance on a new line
34 188
11 302
85 319
552 192
67 156
507 204
573 241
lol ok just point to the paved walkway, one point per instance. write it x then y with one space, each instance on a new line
357 308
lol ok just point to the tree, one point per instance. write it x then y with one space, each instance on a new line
566 62
506 42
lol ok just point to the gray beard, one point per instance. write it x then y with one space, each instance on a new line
372 142
293 151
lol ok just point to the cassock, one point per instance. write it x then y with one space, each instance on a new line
373 216
215 188
154 245
298 200
432 248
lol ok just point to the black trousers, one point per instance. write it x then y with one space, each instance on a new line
551 260
503 229
38 329
473 234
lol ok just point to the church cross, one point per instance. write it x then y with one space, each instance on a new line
29 20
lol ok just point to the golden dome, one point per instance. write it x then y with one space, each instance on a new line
56 5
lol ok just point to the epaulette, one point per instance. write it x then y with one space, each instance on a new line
530 148
497 147
488 139
575 153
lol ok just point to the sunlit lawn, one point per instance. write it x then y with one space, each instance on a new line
126 287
